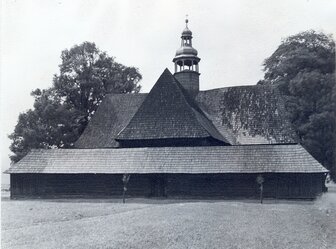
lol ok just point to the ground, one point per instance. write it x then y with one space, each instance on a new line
144 223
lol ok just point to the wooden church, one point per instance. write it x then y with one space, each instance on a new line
178 141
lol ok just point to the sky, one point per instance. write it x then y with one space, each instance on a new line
233 38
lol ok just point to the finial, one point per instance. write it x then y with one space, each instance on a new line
186 20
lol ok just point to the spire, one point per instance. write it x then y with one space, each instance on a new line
186 61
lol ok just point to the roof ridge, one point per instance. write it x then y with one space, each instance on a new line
242 86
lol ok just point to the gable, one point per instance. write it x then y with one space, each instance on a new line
168 112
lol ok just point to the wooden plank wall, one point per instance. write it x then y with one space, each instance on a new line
281 186
76 185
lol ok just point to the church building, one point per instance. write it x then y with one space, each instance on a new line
178 142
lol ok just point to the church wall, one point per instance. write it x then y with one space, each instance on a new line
282 186
76 185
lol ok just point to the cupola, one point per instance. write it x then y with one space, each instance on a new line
187 63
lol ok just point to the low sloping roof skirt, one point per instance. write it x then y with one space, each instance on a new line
188 160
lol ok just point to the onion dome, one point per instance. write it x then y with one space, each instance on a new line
186 50
186 32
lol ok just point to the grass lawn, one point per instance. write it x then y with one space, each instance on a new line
145 223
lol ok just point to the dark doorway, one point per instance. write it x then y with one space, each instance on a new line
158 186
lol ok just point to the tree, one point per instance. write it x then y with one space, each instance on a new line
50 124
61 112
303 68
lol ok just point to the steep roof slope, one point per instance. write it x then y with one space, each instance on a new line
169 112
112 115
192 160
253 114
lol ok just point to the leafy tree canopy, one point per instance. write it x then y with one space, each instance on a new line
62 111
303 68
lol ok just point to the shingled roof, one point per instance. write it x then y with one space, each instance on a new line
242 115
169 112
113 114
193 160
253 114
